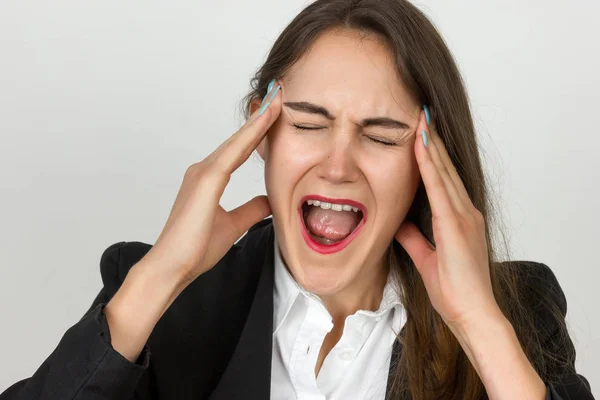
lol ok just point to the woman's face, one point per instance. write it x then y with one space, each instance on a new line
341 160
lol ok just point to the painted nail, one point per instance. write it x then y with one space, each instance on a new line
424 135
269 88
427 117
264 107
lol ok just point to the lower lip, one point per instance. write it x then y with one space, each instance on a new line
328 249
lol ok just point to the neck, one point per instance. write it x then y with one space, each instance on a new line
364 294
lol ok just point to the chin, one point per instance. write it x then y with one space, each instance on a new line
323 275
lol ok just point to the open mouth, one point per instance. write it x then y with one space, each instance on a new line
329 225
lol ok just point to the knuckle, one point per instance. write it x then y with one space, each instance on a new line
444 174
425 164
192 171
445 216
444 170
214 174
201 173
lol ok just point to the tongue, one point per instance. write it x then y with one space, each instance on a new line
329 224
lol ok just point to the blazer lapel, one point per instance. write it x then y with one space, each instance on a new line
248 374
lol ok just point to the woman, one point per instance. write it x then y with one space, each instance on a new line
375 278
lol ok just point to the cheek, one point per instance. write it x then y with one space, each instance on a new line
394 179
289 154
289 158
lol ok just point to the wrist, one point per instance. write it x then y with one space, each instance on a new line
131 314
480 332
485 319
493 348
151 274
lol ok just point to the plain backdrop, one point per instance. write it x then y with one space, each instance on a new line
104 104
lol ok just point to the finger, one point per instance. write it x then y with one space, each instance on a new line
439 199
248 214
450 167
236 150
415 243
434 143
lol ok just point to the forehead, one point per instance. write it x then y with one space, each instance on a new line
347 71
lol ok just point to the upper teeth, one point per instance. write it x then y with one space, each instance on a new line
331 206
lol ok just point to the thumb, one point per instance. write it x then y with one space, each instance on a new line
248 214
415 243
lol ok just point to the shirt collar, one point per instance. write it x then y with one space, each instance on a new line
286 292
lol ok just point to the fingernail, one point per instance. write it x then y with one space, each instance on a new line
427 117
269 88
264 107
424 135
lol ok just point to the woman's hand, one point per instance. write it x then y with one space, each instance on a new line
456 271
199 231
196 236
456 275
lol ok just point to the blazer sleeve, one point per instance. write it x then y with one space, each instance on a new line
544 294
84 365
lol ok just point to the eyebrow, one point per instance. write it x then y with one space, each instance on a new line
310 108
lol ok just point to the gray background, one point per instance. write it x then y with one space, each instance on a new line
103 105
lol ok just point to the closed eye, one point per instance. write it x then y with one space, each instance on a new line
371 138
383 142
308 128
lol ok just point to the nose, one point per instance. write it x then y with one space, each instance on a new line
338 164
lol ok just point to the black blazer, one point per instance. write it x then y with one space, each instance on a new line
214 342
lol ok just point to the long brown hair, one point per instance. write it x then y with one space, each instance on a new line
432 365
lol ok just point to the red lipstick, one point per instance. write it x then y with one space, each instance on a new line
329 249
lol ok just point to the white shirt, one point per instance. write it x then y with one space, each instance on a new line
356 368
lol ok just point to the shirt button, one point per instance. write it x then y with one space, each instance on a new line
347 356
